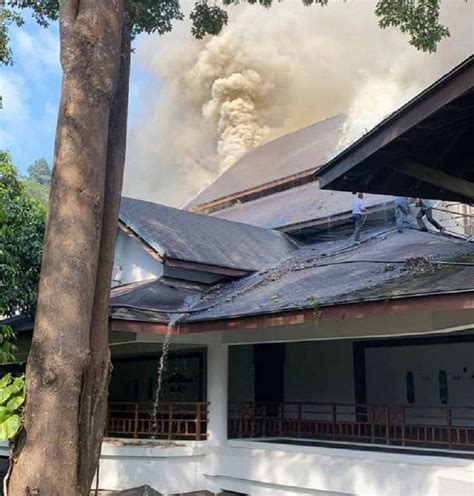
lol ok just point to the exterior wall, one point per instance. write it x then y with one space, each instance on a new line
169 470
319 371
390 366
264 469
133 261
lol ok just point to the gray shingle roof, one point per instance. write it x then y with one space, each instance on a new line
305 149
301 204
186 236
338 272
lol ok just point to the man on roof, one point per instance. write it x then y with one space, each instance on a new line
426 210
403 213
358 214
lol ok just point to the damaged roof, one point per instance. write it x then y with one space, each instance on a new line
302 204
304 150
185 236
386 265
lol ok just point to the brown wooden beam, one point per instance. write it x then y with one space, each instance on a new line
437 178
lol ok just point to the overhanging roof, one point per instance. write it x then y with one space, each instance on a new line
322 275
177 235
425 149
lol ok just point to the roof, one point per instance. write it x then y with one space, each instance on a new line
179 235
294 153
302 204
164 294
424 149
386 265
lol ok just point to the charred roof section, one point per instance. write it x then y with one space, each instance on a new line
193 239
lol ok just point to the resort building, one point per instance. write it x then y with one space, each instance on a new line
297 360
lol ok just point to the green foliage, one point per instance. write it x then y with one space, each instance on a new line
12 397
22 222
38 191
207 19
418 18
7 17
40 172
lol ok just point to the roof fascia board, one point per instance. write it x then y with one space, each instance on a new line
453 85
459 301
251 194
182 264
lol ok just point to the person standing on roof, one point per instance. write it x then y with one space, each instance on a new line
403 213
358 215
426 210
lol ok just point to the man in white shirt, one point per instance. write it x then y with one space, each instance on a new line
358 215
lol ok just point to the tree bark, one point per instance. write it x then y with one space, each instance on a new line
93 404
67 340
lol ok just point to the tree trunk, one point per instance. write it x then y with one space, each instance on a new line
49 450
93 411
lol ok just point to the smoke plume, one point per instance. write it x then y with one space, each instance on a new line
268 73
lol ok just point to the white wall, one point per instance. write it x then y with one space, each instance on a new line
136 264
386 370
263 469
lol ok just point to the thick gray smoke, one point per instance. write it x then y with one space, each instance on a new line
268 73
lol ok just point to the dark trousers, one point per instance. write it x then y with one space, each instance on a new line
428 213
358 223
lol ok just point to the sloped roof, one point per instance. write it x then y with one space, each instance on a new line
162 294
185 236
303 150
423 149
333 273
296 205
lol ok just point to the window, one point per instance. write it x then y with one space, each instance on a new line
443 387
410 384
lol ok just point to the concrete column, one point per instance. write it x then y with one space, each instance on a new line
217 386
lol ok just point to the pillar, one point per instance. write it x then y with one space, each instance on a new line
217 394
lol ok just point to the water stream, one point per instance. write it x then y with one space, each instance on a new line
162 367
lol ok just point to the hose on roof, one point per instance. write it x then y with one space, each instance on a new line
343 262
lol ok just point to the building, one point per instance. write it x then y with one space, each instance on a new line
300 363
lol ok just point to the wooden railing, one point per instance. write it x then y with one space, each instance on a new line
449 427
174 421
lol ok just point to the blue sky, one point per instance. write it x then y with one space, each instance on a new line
31 90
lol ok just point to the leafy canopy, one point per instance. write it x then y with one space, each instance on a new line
22 221
418 18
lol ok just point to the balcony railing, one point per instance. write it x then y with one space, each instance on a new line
450 427
174 421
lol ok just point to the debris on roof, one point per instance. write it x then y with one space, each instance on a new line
338 272
185 236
